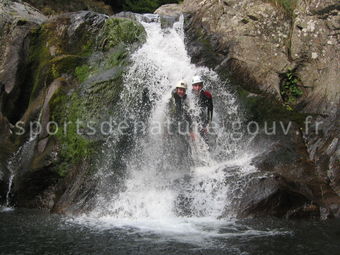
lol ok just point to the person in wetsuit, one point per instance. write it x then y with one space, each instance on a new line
204 101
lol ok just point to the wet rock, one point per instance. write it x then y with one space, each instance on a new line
36 190
17 20
6 149
75 193
169 14
323 148
270 196
171 10
286 157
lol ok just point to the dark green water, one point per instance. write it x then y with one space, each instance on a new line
35 232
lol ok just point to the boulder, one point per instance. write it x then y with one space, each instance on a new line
272 195
169 14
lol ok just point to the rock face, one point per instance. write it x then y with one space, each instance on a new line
63 69
17 21
258 41
264 49
298 184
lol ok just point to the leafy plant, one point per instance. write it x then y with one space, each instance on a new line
290 89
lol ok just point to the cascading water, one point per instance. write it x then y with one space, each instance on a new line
153 189
149 192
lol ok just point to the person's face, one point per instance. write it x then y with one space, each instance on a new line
180 92
196 88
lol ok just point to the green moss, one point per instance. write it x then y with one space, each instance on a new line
117 58
74 146
45 67
87 48
64 64
38 59
121 30
82 72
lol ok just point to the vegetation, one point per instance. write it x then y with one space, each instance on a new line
121 31
82 72
74 147
290 90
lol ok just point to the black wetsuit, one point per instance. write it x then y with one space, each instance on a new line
205 102
177 152
180 118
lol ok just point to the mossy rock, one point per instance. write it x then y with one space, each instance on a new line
55 50
58 46
74 146
121 30
93 67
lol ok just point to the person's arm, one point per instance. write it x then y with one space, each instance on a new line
169 112
210 109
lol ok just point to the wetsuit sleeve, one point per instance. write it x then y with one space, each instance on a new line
170 112
210 109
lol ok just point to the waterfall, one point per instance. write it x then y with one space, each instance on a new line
152 187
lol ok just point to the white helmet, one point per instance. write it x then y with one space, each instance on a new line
196 79
182 84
